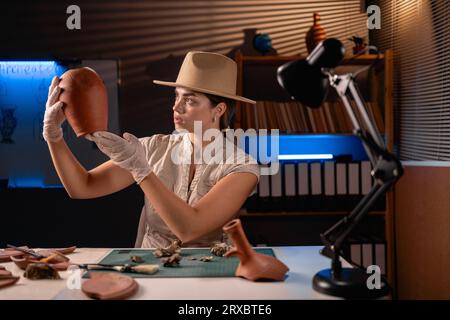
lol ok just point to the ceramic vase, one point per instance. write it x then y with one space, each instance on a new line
315 34
85 101
252 266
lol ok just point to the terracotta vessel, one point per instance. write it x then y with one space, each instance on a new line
85 100
315 34
253 265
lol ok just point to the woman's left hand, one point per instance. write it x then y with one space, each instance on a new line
127 152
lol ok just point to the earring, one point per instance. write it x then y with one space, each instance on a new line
214 119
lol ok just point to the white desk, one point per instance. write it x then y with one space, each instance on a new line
303 263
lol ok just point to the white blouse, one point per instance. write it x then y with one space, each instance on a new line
165 154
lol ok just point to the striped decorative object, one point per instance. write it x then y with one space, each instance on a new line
315 34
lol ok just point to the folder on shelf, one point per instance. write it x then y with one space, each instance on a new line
303 179
380 256
330 178
289 179
316 178
355 253
275 182
367 258
341 178
353 178
366 177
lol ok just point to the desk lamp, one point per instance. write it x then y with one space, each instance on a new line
308 81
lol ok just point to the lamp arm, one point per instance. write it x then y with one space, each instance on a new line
357 128
387 168
361 210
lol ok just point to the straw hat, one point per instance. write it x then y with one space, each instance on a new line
208 72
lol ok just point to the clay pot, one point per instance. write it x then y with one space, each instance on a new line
85 100
253 265
315 34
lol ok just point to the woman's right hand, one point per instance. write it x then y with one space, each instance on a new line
54 116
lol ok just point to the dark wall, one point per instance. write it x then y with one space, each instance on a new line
50 218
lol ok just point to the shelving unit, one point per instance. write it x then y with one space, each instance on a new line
291 116
254 70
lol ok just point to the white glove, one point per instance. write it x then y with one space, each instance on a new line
54 116
127 152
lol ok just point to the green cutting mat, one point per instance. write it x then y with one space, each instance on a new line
218 267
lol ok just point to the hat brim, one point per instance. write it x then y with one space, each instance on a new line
230 96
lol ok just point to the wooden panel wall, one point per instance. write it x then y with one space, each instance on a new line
423 233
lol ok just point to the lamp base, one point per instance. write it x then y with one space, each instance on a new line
351 283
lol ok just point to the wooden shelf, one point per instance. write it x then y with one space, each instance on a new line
330 118
361 59
381 93
268 59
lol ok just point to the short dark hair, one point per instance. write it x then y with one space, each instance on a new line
227 118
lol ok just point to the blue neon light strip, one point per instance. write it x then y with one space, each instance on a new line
305 156
302 146
30 183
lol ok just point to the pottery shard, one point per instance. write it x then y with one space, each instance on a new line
206 258
172 261
85 100
37 271
168 251
137 259
219 249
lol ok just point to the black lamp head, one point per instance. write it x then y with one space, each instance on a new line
304 80
327 54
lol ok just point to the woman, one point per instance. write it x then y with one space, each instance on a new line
188 201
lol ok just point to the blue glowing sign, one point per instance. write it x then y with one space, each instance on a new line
24 157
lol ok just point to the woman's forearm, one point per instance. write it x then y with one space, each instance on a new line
179 216
72 174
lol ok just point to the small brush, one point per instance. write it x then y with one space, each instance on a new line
142 268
